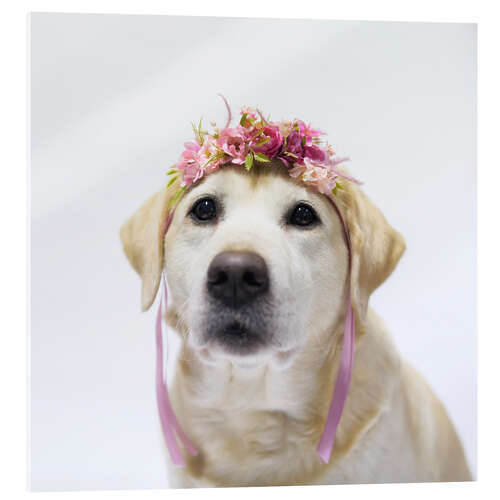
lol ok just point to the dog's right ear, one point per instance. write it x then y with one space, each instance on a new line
142 239
376 247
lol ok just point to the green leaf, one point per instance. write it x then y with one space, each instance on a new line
264 141
173 170
172 180
338 187
290 154
303 140
249 161
195 130
198 132
243 118
261 157
216 156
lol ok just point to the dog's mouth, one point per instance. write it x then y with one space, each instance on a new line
237 339
244 339
254 334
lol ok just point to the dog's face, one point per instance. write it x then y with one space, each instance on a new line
256 265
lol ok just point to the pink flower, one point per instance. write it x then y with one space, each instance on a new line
293 146
192 146
233 143
297 171
322 178
209 157
191 171
246 132
314 153
189 155
274 141
308 132
188 164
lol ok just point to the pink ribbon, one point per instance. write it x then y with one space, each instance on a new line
169 422
344 375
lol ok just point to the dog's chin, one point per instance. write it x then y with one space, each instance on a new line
278 359
243 347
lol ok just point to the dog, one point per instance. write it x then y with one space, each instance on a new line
257 268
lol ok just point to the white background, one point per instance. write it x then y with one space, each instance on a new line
112 98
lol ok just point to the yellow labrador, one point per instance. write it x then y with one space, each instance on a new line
257 265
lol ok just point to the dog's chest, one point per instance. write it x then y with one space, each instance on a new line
273 449
254 433
251 431
255 447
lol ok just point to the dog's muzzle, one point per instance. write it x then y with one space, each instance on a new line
238 286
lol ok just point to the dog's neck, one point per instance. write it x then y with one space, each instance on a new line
266 420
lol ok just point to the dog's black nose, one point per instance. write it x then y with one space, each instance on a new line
237 278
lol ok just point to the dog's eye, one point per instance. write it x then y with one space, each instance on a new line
302 215
204 210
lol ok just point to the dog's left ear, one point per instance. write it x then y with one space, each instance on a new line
376 246
142 239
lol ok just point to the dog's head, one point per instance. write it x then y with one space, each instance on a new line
257 263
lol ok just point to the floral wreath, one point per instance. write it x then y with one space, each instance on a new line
256 139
